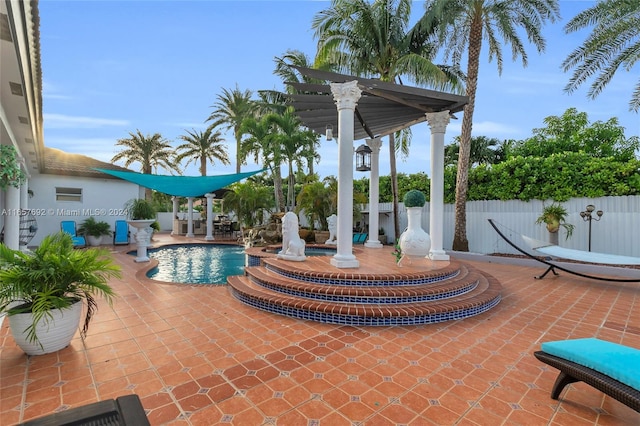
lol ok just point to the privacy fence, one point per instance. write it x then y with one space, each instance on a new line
617 232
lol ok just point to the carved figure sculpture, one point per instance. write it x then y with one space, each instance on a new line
292 244
332 221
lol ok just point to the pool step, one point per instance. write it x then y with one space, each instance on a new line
301 290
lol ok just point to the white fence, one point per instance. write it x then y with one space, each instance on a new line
618 231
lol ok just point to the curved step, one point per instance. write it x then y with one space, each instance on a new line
372 294
485 295
342 278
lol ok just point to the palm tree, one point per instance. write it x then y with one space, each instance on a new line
465 24
614 42
484 150
249 201
150 151
203 146
231 107
258 141
372 39
292 142
287 73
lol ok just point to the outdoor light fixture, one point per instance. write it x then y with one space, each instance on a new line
587 216
329 132
363 158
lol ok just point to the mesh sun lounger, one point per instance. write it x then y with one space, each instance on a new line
69 226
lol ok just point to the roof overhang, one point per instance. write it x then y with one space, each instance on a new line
382 109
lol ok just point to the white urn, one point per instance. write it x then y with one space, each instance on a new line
414 241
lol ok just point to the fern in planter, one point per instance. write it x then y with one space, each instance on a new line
140 209
53 276
554 216
94 228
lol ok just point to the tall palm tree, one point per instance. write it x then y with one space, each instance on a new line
258 134
484 150
374 39
613 43
151 151
204 146
465 25
292 142
287 73
231 107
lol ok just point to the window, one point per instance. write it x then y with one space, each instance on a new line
69 194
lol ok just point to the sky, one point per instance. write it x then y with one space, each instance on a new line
111 68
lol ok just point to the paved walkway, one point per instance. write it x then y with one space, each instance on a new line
196 356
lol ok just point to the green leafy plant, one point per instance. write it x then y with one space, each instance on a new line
414 198
140 209
156 226
54 276
554 216
11 173
94 228
397 252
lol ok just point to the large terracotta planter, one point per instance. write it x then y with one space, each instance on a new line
54 332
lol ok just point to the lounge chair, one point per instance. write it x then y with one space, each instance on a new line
69 226
550 251
121 233
609 367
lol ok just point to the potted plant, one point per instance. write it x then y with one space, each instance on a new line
11 173
316 201
94 230
414 242
554 216
43 291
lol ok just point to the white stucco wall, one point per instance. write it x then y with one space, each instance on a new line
102 198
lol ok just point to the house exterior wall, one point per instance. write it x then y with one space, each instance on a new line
102 198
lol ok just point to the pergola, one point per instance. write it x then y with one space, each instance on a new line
362 108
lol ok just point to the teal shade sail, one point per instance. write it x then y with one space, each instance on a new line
180 186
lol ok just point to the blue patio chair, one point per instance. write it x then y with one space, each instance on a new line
69 226
363 238
121 234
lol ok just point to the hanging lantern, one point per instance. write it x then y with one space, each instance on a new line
363 158
329 132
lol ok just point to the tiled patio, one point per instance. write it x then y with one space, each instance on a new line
196 356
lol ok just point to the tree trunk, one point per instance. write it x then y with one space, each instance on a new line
277 187
460 242
291 190
238 153
394 183
203 166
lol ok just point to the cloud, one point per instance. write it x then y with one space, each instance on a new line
61 121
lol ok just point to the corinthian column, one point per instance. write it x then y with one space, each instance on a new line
374 192
438 123
346 96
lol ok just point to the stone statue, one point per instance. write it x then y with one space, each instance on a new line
332 221
292 244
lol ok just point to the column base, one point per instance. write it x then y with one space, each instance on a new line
209 238
340 261
373 244
142 259
438 255
190 235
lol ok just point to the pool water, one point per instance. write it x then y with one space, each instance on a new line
197 263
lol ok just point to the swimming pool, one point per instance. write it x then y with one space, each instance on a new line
206 263
197 263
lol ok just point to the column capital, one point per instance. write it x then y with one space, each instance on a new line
346 95
438 121
210 195
374 144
